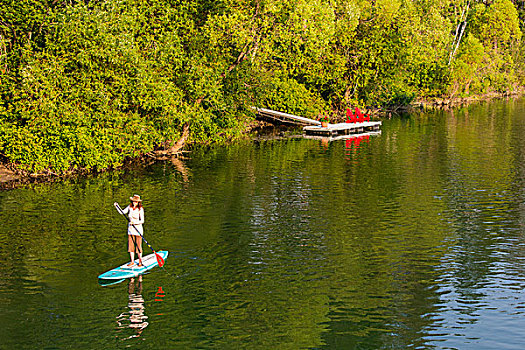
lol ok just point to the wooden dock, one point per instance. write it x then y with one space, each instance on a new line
284 118
342 137
342 129
313 127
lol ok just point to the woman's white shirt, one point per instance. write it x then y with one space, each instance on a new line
136 217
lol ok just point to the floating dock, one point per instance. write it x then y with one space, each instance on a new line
340 129
313 127
342 137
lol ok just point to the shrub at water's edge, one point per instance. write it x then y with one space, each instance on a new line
89 86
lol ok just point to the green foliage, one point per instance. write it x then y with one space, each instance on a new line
497 24
85 85
289 96
427 49
491 56
397 96
107 87
466 68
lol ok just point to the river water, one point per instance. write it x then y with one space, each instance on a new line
410 239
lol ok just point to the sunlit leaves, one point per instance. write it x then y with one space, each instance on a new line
466 67
495 28
497 23
128 75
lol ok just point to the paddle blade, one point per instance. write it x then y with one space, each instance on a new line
160 260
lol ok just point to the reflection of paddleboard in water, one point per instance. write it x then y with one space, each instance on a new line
135 318
124 271
106 283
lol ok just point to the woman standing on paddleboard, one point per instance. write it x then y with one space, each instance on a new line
135 213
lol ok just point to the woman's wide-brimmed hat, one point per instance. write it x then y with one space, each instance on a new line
135 198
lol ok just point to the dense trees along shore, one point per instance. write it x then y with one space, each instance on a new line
88 84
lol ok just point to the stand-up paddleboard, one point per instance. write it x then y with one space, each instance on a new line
124 271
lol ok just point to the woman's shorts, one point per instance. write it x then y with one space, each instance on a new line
134 244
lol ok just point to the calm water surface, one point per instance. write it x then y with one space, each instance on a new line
414 238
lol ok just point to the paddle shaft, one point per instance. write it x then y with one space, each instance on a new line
159 258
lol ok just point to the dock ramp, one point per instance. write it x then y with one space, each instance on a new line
284 118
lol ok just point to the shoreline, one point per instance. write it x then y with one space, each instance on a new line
10 178
7 176
446 103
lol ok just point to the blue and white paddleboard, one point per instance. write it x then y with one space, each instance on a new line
124 271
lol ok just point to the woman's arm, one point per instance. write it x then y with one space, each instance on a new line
125 210
117 206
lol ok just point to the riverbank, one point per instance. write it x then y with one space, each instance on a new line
452 102
7 175
429 104
10 178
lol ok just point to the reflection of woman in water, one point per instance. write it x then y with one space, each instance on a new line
135 317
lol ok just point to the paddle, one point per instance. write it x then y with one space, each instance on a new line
160 260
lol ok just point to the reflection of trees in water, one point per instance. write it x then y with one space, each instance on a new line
135 318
